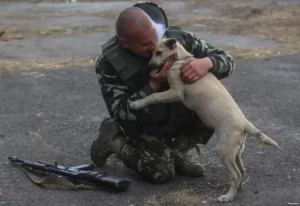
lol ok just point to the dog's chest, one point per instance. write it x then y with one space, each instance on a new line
190 96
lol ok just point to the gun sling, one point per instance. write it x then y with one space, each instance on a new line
56 180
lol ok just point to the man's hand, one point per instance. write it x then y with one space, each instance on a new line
157 79
194 69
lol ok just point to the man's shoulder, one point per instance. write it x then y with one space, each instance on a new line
110 57
104 66
111 43
176 28
101 60
186 38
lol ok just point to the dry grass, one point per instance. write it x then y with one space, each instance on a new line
53 32
188 197
280 24
106 14
260 52
64 1
237 53
8 65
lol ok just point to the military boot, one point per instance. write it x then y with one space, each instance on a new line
109 141
186 165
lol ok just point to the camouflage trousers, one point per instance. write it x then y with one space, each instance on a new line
154 157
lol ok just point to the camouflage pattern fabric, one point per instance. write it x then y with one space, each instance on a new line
151 158
154 158
223 62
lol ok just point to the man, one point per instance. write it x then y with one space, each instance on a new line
154 142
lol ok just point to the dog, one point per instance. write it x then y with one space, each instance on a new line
211 101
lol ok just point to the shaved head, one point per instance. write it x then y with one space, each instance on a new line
130 20
136 31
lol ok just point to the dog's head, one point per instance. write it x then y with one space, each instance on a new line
164 48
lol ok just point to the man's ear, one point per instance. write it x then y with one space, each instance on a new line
171 43
123 42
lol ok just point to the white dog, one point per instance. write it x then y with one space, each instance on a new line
213 104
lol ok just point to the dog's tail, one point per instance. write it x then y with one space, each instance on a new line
251 129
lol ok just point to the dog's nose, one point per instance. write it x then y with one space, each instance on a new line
152 66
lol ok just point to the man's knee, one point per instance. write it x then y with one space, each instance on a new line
161 174
159 167
156 167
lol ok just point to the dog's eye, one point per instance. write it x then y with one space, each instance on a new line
158 53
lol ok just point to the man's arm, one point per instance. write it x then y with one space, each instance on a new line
223 63
117 97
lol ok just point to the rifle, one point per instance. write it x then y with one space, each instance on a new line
71 176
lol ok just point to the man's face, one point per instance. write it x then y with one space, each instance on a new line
142 42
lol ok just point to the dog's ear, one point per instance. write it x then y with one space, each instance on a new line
171 43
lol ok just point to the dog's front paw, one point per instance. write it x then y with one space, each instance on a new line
135 105
225 198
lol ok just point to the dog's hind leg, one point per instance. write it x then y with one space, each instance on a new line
229 145
240 164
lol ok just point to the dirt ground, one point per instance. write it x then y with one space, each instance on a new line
51 107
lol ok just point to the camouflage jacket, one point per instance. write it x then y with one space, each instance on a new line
117 94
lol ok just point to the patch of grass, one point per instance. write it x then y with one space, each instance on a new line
280 23
8 65
188 197
237 53
260 52
105 14
54 31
